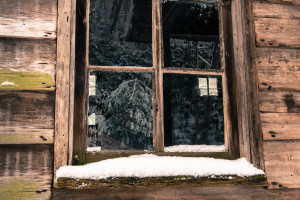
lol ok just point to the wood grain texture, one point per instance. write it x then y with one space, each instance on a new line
278 69
176 193
28 55
282 161
26 171
271 32
240 77
281 126
286 2
26 117
279 102
154 182
22 18
61 142
270 10
81 82
157 48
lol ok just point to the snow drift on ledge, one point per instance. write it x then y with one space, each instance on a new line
149 165
196 148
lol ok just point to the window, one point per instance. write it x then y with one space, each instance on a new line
156 73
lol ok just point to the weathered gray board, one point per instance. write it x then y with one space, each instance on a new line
26 171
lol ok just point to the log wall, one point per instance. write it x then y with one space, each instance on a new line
27 97
277 27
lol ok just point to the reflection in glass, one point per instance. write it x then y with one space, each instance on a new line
120 33
120 113
191 114
191 34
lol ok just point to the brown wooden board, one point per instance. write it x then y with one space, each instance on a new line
287 2
26 117
270 10
271 32
175 193
61 143
278 69
173 181
282 163
22 18
279 101
28 55
280 126
26 171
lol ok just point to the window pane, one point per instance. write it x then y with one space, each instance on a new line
191 118
120 113
120 33
191 34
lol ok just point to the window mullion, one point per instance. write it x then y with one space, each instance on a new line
158 116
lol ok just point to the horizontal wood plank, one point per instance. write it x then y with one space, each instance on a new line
270 10
286 2
280 126
26 117
272 32
22 18
176 181
278 69
26 171
279 102
28 55
176 193
282 163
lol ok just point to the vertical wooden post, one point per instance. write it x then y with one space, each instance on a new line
81 82
62 85
158 121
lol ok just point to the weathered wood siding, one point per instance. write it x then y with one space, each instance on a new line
277 27
27 97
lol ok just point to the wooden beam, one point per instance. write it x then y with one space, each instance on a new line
81 82
157 51
61 141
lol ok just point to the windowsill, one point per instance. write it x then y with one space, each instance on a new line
178 181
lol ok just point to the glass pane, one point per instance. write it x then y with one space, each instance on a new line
191 34
190 116
120 112
120 33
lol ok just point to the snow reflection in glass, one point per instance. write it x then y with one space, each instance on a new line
191 34
120 112
193 110
120 33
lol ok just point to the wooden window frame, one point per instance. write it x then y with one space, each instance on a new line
242 130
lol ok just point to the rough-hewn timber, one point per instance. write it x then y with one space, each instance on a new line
278 69
282 161
28 55
26 117
26 171
33 19
176 181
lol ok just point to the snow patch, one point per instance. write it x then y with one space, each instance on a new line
6 83
149 165
195 148
93 149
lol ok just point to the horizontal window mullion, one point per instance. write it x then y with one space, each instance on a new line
121 69
192 71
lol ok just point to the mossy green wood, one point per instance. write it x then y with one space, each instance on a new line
25 80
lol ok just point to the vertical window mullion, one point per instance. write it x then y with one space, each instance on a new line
158 116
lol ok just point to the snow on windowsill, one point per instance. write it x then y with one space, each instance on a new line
149 165
93 149
195 148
